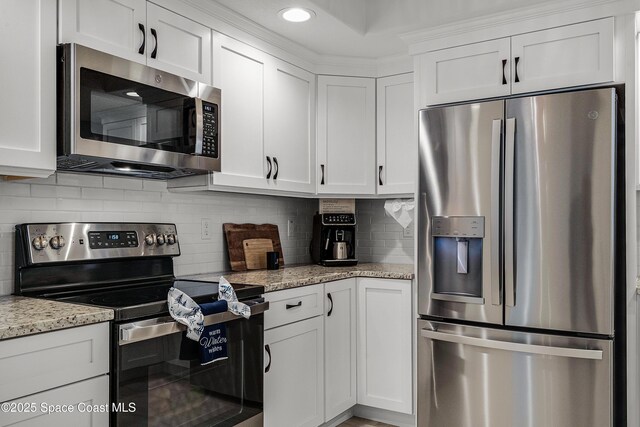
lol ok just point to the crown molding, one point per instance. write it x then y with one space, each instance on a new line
525 19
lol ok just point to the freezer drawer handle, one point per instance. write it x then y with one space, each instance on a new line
575 353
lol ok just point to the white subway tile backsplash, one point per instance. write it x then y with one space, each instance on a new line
123 183
79 180
67 197
379 237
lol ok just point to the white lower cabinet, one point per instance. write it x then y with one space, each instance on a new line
56 378
339 347
359 352
85 403
384 344
293 381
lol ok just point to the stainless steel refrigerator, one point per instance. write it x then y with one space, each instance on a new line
516 269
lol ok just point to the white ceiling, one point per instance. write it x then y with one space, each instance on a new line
365 28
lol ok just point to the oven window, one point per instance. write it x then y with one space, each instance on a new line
120 111
165 381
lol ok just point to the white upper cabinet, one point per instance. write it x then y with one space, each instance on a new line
473 71
346 135
178 45
239 72
290 113
572 55
396 130
28 87
139 31
117 27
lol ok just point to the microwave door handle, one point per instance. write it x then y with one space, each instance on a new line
199 127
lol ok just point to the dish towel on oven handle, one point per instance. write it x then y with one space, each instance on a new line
226 292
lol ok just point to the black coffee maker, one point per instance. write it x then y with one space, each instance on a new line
334 239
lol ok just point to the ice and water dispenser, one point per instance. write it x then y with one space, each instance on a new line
457 256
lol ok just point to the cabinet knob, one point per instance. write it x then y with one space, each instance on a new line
322 171
268 349
504 76
331 301
144 39
275 162
380 175
517 78
269 163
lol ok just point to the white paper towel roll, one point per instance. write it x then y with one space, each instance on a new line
401 210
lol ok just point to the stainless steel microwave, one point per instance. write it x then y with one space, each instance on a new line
119 117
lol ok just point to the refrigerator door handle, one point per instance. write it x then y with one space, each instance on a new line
509 190
574 353
496 145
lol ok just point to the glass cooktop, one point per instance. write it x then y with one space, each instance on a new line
151 299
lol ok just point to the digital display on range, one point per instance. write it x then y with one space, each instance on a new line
112 239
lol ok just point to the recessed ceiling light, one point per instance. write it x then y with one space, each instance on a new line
296 14
133 94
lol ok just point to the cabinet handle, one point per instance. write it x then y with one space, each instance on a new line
155 47
322 179
266 347
290 306
504 76
144 39
331 301
517 79
275 174
269 163
380 175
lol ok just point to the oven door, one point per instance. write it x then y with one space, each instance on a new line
158 379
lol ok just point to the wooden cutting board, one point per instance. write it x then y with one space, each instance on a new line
255 252
235 234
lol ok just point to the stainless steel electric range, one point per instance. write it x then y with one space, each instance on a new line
129 269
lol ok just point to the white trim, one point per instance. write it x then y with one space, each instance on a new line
522 20
384 416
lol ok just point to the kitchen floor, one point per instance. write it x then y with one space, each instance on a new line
361 422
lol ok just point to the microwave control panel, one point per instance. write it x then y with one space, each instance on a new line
210 122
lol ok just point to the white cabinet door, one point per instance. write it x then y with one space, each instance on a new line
178 45
290 139
384 344
573 55
293 379
474 71
339 347
117 27
346 135
239 71
28 87
396 137
89 400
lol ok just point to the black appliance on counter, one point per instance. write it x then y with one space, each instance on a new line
129 268
334 239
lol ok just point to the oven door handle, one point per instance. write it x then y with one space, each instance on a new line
154 328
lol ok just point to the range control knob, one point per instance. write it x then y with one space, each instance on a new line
57 242
171 239
40 242
150 239
160 239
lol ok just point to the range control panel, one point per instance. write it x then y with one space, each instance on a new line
338 219
91 241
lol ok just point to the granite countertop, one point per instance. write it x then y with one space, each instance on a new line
21 316
302 275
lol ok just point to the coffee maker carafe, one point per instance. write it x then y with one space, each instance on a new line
334 239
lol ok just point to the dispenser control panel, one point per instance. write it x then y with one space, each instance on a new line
457 226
